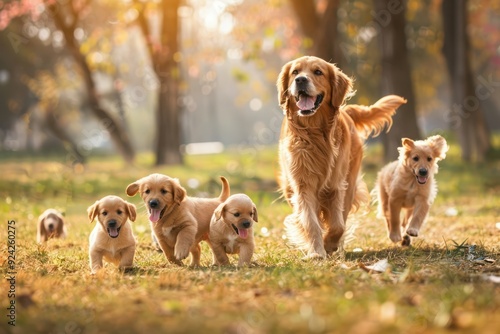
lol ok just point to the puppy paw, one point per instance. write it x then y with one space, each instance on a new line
412 232
395 236
314 256
406 241
181 254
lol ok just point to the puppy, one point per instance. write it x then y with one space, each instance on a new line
179 222
50 225
321 149
408 183
231 230
112 238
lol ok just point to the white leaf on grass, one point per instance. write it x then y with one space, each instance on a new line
379 267
451 212
497 225
492 278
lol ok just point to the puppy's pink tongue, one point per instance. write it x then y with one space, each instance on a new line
305 102
154 215
243 233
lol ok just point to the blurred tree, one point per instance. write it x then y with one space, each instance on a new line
465 115
396 74
165 58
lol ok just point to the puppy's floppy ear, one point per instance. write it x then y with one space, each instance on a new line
179 192
282 85
133 188
60 226
408 145
439 146
93 211
41 235
341 86
219 211
131 211
255 214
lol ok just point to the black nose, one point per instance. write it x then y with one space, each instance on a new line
301 82
153 203
422 172
112 223
246 224
51 227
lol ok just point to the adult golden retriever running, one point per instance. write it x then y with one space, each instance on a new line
321 147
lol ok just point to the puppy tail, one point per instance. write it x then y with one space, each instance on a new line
361 195
373 119
226 189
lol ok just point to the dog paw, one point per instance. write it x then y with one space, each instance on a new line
181 254
412 232
314 256
395 237
406 241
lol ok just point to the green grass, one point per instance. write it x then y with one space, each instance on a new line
437 285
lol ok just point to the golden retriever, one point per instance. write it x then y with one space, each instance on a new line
178 221
408 183
50 225
321 148
112 238
231 230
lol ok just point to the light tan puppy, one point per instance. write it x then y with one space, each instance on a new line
231 230
408 183
178 221
112 237
321 149
50 225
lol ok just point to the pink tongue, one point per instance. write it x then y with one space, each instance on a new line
305 102
243 233
113 232
422 179
155 215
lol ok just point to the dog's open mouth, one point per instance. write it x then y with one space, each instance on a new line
421 179
242 232
113 232
156 214
308 104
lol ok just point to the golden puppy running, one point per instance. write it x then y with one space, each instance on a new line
50 225
320 148
408 183
231 230
112 237
178 221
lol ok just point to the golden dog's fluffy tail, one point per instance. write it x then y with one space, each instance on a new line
372 120
226 190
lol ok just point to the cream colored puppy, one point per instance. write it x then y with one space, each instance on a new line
231 230
50 225
408 183
112 237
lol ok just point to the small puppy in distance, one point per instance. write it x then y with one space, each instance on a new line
408 183
231 230
50 225
112 237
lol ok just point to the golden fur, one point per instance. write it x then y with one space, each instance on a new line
112 237
321 147
50 225
231 230
178 221
408 183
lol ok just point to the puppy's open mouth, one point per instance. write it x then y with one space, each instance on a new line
156 214
308 104
113 232
242 232
421 179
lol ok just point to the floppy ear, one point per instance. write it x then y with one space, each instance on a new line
439 146
41 236
60 226
282 85
131 211
219 210
408 143
341 86
132 188
93 210
179 192
255 214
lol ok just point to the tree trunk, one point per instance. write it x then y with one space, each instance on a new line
396 73
168 135
465 115
118 135
61 134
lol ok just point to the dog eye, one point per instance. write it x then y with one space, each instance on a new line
295 72
237 214
119 212
104 213
318 72
163 191
147 191
429 159
415 158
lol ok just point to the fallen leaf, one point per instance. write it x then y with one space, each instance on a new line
378 267
492 278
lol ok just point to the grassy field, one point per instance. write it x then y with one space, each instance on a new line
443 283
